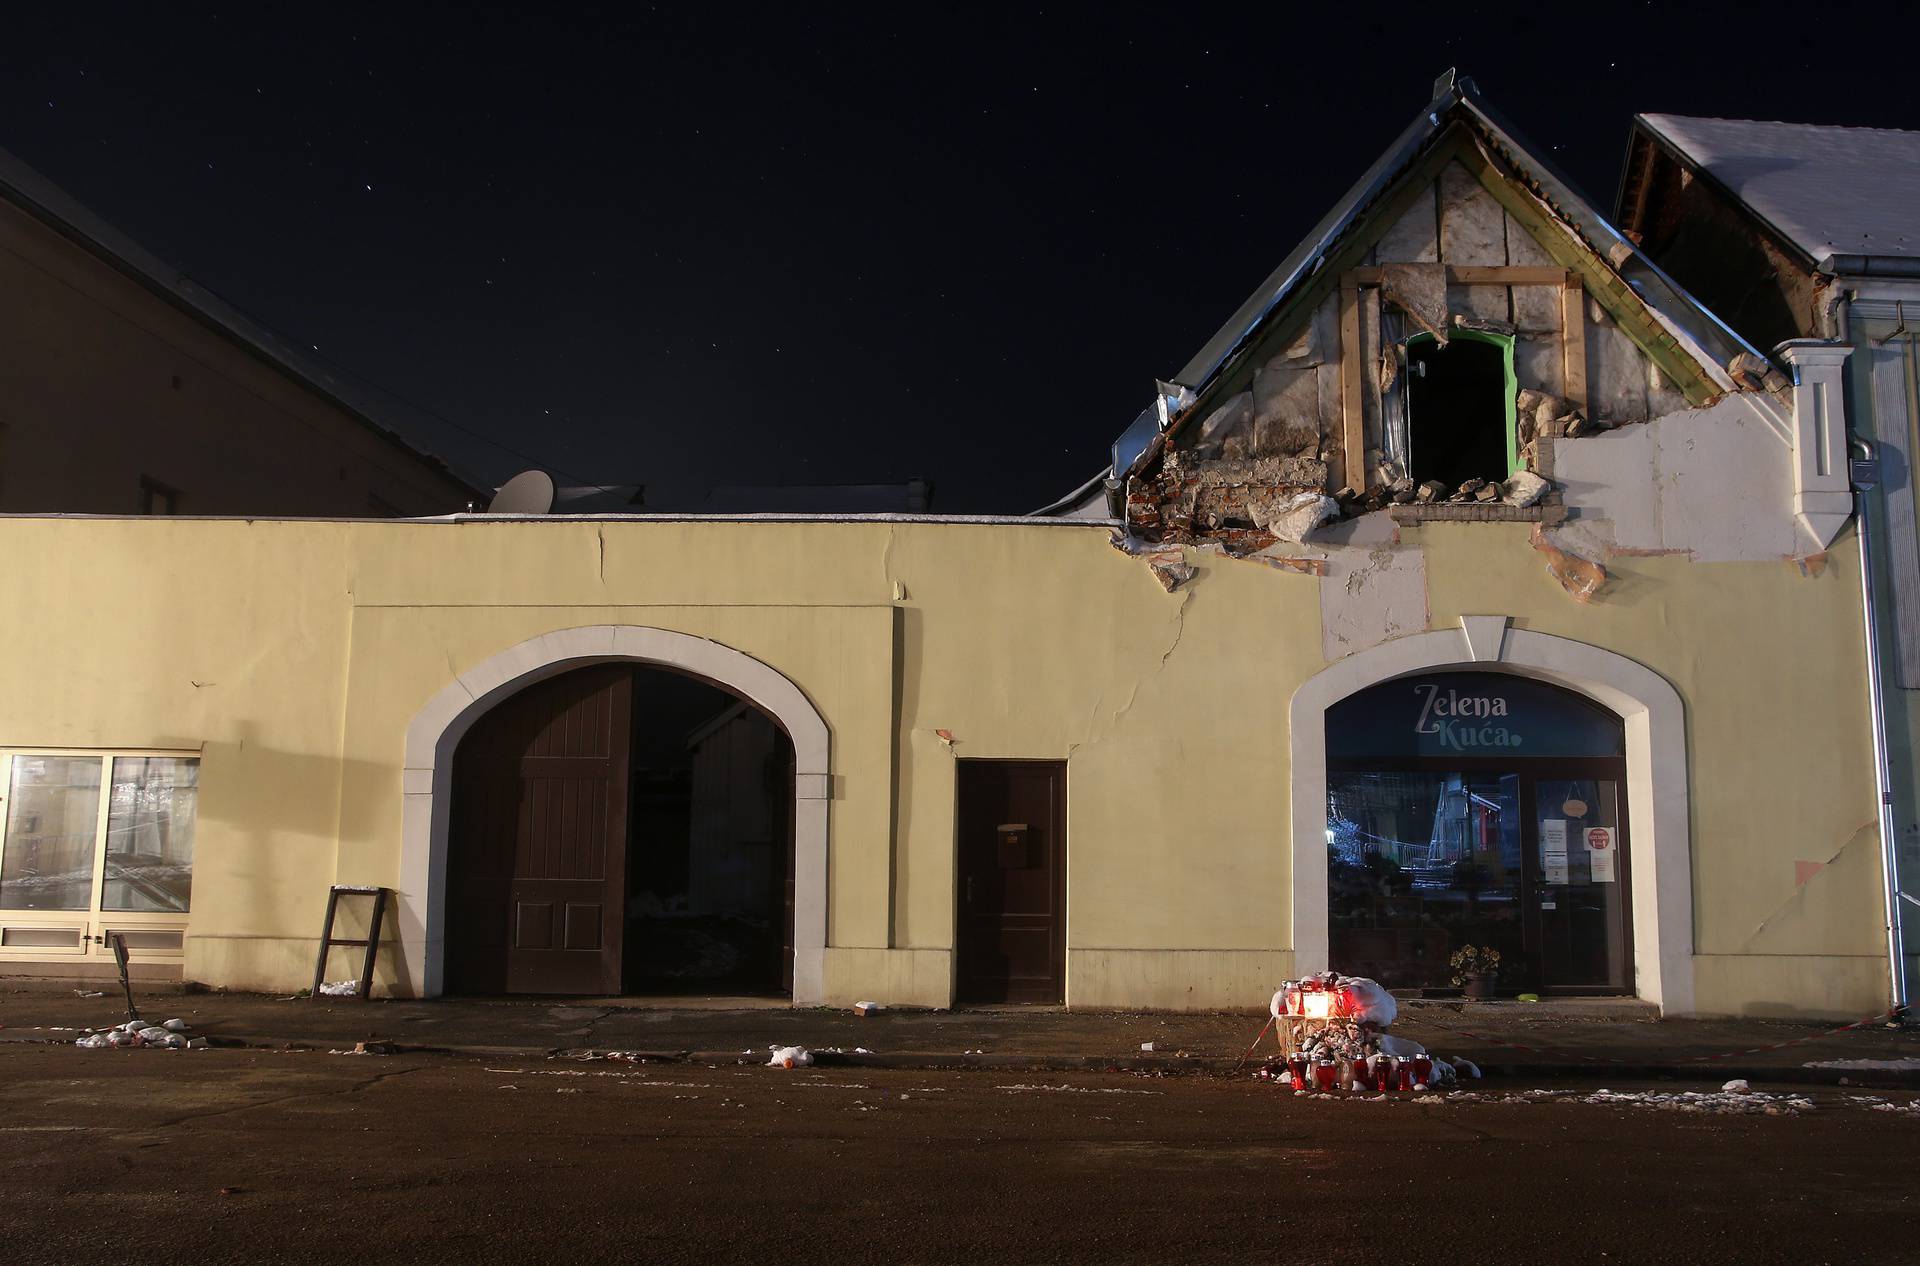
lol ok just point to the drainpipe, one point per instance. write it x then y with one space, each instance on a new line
1865 473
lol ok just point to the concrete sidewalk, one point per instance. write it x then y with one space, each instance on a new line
1569 1039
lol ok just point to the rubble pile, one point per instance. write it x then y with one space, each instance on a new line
1334 1037
174 1035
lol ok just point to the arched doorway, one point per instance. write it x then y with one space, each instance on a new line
444 719
1657 793
1484 810
621 829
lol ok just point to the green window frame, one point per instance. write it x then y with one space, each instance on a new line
1512 386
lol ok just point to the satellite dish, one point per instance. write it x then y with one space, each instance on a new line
529 492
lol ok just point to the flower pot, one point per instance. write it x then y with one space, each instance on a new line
1478 986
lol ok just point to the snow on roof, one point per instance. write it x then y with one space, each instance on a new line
1828 190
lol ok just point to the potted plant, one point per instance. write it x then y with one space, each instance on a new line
1474 969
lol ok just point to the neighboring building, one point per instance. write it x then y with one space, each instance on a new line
1306 703
1798 231
125 388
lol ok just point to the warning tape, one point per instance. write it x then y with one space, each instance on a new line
1690 1059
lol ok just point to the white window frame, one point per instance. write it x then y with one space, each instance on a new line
94 923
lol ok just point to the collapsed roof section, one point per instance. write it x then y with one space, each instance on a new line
1690 346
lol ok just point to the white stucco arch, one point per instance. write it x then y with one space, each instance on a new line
436 730
1657 810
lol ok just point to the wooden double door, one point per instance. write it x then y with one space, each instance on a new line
541 841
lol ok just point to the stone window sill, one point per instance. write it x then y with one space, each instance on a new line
1478 512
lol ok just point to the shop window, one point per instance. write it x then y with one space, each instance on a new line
1460 421
94 842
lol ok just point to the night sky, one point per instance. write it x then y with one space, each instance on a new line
682 247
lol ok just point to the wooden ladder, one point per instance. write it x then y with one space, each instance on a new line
372 941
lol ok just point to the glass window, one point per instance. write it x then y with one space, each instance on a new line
53 819
150 818
1420 864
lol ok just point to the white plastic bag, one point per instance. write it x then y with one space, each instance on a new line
790 1057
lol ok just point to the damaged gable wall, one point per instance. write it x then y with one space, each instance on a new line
1264 447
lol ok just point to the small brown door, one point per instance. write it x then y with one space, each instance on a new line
1012 930
538 849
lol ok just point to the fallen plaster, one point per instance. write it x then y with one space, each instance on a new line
1582 578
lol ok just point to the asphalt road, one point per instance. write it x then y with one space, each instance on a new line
246 1156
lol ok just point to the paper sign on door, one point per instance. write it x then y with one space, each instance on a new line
1600 853
1553 849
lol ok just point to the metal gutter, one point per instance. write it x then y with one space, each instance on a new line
1864 475
1870 266
1053 509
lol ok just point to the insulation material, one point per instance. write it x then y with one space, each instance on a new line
1480 303
1523 251
1412 239
1286 411
1523 489
1393 398
1662 396
1539 362
1473 228
1230 419
1420 291
1616 371
1300 515
1536 309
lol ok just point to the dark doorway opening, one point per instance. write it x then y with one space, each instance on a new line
1478 809
622 829
1011 938
1460 408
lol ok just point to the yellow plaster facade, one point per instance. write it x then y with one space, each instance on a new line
294 655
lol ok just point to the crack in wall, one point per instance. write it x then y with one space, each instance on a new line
1866 830
1133 693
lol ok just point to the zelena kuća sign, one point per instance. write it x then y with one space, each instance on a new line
1470 714
1461 721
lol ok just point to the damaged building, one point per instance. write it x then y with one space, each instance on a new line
1473 587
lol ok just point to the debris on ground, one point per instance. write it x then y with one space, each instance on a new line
867 1008
1738 1086
370 1048
174 1035
1906 1064
789 1057
341 989
89 993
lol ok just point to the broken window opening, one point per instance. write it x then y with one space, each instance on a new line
1460 411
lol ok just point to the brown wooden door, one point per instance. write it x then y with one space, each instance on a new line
1012 929
537 855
